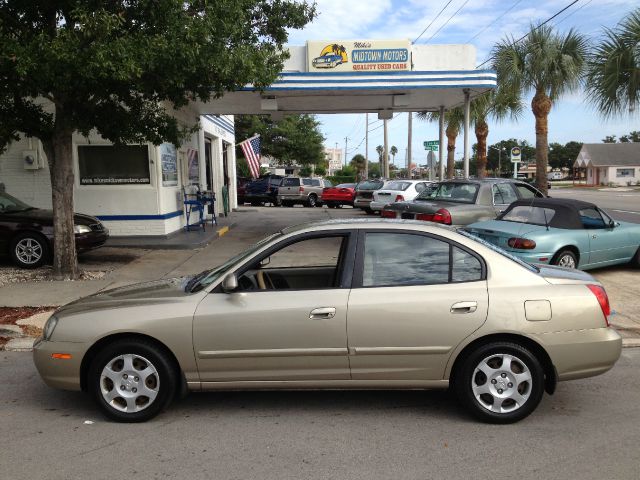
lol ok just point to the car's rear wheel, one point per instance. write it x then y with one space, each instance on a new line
566 259
132 380
312 201
29 250
500 382
635 261
277 202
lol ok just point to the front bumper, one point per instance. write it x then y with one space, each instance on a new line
91 240
62 374
582 353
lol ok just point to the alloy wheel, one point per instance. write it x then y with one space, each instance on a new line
129 383
566 261
501 383
29 251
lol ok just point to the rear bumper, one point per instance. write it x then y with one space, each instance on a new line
361 202
582 353
377 205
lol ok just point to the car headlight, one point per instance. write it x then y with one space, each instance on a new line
81 229
49 327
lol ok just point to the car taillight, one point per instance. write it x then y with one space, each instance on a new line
388 214
603 300
399 198
427 217
301 189
521 243
442 216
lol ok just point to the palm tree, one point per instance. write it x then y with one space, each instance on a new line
380 150
497 104
547 64
453 120
393 150
613 70
358 163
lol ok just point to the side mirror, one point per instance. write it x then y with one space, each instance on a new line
265 261
613 224
230 283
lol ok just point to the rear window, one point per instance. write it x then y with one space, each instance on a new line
290 182
307 181
369 185
531 215
401 186
346 185
454 192
315 182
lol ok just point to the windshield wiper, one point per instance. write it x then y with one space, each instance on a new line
191 284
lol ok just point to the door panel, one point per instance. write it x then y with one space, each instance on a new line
269 335
407 333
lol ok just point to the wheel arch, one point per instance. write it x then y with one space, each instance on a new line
550 375
104 341
571 248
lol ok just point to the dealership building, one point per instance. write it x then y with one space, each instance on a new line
139 189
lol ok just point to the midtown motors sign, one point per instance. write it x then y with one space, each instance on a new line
358 55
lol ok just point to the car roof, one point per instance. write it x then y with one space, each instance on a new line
361 223
553 202
566 215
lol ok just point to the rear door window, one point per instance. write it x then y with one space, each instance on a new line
307 181
290 182
503 194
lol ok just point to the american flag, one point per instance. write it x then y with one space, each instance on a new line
251 150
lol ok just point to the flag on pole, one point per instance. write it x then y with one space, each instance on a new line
251 150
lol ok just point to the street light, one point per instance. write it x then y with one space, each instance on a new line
500 150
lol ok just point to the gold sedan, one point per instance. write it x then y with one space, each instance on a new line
339 304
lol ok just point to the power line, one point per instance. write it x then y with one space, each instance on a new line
499 17
448 20
537 27
575 11
436 17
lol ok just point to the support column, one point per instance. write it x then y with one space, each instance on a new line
385 153
441 146
467 112
409 137
366 149
202 181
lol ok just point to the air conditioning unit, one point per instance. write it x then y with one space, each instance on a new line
31 160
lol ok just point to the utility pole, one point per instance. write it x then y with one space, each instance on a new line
409 135
385 153
346 140
366 150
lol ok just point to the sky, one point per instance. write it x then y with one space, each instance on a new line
481 23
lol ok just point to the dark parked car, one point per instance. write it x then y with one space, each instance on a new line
26 233
364 193
241 188
263 190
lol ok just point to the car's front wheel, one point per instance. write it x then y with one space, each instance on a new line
500 382
132 380
29 250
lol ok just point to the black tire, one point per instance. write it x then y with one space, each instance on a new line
166 379
29 250
287 204
331 205
277 202
312 201
469 376
564 258
369 211
635 261
255 204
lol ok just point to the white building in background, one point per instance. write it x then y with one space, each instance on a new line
335 159
132 189
610 163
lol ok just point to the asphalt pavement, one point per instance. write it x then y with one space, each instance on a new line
587 430
623 204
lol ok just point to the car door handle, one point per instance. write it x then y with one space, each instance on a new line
322 313
464 307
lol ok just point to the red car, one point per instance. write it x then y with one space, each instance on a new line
339 195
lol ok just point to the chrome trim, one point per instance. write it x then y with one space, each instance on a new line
273 352
398 350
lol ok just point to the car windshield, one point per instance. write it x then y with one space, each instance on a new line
10 204
401 186
496 249
369 185
529 214
452 192
206 278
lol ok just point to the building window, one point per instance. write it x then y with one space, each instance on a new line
113 165
624 172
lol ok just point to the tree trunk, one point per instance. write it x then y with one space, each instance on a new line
482 131
541 106
451 150
59 155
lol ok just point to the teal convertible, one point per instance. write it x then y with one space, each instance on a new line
564 232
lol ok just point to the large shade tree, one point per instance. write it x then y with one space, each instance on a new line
114 67
547 64
613 72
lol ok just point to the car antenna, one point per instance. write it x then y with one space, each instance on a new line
546 222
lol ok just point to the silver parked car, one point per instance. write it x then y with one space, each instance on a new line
461 202
339 304
305 191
